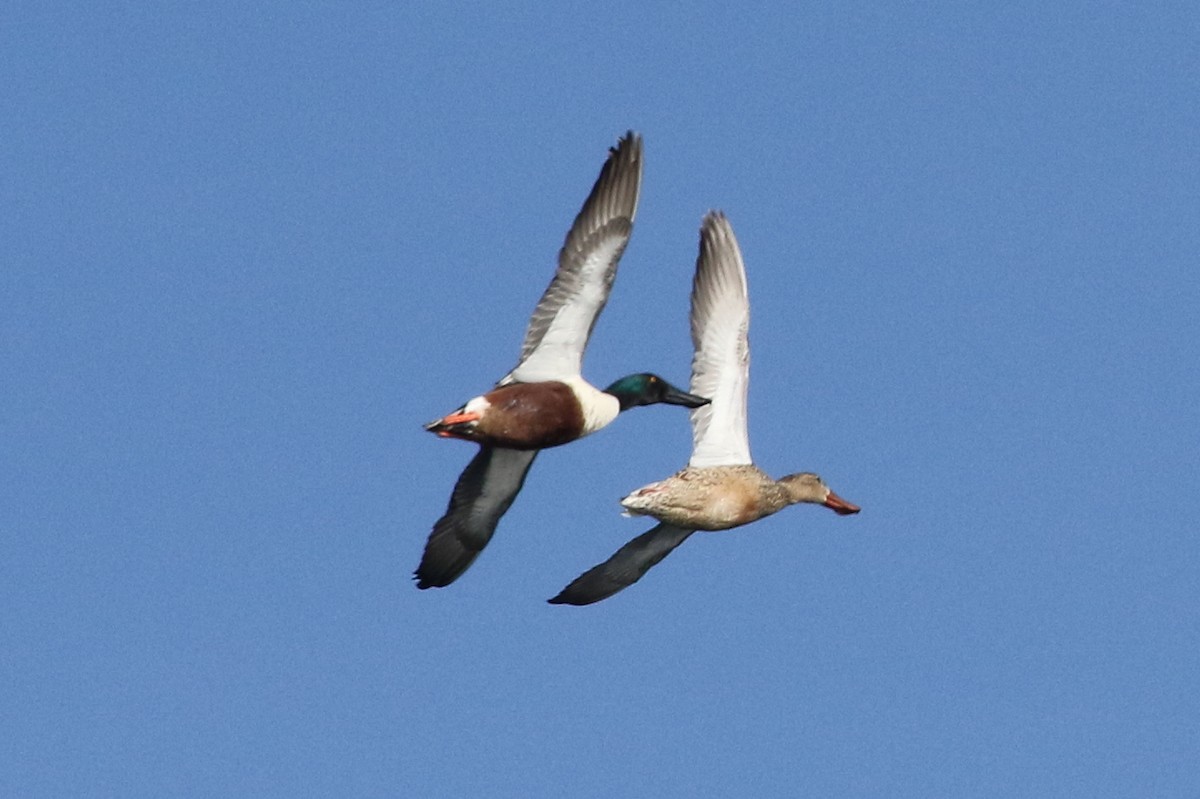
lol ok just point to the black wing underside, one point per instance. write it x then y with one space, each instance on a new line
624 568
484 492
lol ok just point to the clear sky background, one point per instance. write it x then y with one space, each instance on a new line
246 250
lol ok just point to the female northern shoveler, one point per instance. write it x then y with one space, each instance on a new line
721 488
544 401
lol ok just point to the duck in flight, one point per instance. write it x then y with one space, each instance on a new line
544 401
720 488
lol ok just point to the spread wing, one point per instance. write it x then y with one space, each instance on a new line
484 491
624 568
562 323
721 364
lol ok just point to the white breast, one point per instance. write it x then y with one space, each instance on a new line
599 409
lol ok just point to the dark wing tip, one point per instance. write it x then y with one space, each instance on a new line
585 591
615 193
597 583
630 139
448 553
439 569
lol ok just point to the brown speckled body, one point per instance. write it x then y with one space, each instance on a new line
526 416
721 497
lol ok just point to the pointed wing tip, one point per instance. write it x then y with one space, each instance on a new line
630 139
444 560
587 589
424 579
716 225
624 157
720 254
629 148
576 598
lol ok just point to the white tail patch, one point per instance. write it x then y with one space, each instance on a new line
477 405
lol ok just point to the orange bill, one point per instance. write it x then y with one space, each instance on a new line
840 506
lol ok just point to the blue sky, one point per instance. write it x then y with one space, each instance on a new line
247 251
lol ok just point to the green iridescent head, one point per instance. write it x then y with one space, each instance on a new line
648 389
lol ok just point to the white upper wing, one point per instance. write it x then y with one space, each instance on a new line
587 264
721 365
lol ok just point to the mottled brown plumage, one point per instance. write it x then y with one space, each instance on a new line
724 497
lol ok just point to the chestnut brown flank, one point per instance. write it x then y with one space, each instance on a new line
530 416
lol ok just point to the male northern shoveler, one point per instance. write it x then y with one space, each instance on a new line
721 488
544 401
